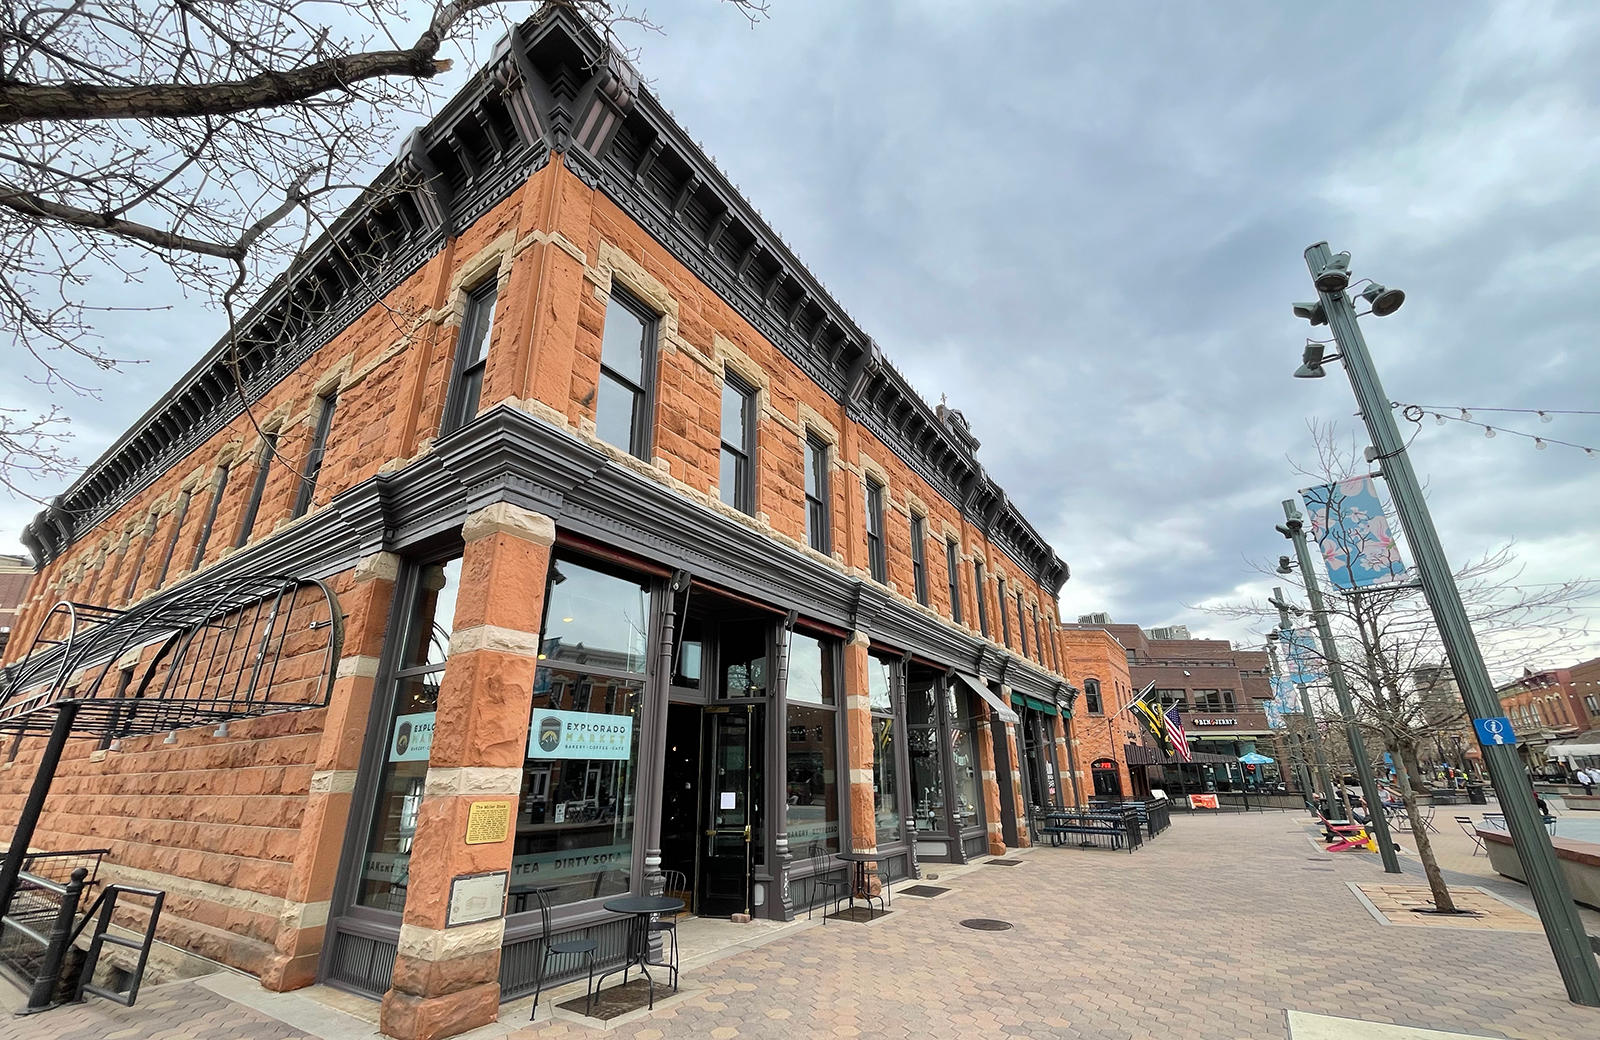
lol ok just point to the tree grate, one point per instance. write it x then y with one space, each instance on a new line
925 891
985 924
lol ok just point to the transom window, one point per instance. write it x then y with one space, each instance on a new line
737 483
472 353
624 402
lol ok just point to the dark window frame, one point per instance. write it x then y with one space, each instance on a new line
466 374
179 512
744 490
219 485
877 557
1022 626
1005 611
818 471
983 602
1093 702
138 559
952 563
642 431
319 450
919 562
247 522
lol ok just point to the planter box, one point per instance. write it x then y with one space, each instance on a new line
1579 862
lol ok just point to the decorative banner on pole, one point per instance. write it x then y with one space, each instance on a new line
1350 527
1305 659
1285 701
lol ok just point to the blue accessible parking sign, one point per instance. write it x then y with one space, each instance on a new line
1496 730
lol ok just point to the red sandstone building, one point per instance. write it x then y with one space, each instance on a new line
647 561
15 574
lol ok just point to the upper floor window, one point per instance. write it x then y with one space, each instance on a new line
1022 626
625 404
738 479
1005 616
950 555
219 485
138 559
319 449
875 557
919 564
172 540
983 602
1091 697
816 494
472 351
247 523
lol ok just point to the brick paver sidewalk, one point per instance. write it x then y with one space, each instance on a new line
1213 931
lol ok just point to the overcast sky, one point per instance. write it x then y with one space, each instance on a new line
1084 224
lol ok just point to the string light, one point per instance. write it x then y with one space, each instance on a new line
1417 412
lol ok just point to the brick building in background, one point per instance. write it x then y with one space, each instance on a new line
1220 692
615 499
15 575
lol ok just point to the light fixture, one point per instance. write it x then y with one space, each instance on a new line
1312 312
1545 417
171 738
1466 416
1336 275
1438 420
566 621
1311 361
221 731
1539 444
1383 300
1284 566
1186 673
1488 431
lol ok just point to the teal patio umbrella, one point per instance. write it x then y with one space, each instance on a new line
1254 759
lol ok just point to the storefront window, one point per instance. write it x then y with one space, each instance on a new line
386 866
885 793
963 759
812 746
575 816
880 681
927 772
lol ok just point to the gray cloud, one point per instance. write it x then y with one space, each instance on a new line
1084 224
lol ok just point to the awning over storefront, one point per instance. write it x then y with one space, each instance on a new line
1033 702
995 704
1582 744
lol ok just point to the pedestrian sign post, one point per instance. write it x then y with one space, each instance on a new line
1495 730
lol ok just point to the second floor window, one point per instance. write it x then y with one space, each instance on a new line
623 405
138 558
1005 614
1022 626
919 565
950 563
876 560
219 485
983 602
247 523
319 449
172 540
1091 697
817 494
472 351
737 482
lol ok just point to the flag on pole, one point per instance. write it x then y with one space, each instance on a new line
1150 715
1176 734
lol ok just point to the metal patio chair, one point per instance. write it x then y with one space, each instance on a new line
677 886
1470 829
584 948
836 887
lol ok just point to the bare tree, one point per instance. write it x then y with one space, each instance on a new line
1390 649
209 139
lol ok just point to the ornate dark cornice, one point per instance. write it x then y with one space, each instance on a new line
551 87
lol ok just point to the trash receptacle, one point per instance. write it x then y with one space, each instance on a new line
1477 795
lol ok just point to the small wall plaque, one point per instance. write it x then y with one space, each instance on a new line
476 897
488 822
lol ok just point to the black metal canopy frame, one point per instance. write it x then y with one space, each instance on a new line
224 649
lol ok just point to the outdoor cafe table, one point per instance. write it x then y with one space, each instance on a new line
640 909
860 859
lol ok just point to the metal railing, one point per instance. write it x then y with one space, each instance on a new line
38 933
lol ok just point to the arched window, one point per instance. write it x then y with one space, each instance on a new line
1091 697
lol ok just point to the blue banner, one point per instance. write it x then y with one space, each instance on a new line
1351 530
1305 658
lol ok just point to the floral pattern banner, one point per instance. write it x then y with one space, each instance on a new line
1350 527
1305 659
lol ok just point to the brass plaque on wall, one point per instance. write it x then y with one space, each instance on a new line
488 822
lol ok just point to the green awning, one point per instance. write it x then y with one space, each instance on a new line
1034 703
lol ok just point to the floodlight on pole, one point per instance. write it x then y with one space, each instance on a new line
1562 926
1383 300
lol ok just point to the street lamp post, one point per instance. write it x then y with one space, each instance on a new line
1563 928
1324 774
1294 530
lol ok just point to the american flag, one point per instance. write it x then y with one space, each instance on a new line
1175 733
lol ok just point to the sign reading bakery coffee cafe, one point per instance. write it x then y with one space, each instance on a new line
580 734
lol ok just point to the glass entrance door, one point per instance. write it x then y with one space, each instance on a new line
733 790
